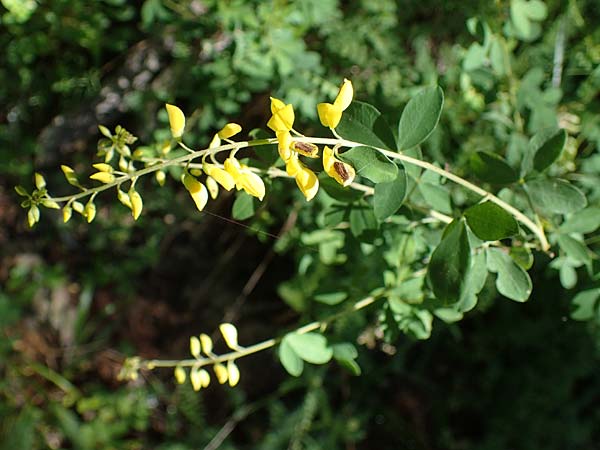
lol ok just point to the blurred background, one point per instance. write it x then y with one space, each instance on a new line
77 298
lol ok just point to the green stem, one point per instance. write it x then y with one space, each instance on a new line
537 230
264 345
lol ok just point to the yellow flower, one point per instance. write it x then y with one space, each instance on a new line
307 181
229 130
213 187
283 116
196 189
221 176
176 120
244 178
103 177
331 114
340 171
284 144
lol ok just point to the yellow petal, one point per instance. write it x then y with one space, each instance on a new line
308 183
253 184
160 177
67 213
223 177
233 168
124 198
136 203
344 97
276 105
103 167
90 211
213 187
282 120
196 379
40 183
233 373
293 165
33 215
70 175
207 343
284 141
329 115
221 373
195 347
78 207
229 130
204 378
103 177
216 141
180 375
196 189
340 171
229 332
176 120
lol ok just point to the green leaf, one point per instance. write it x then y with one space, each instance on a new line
498 56
289 359
574 249
585 305
362 219
363 123
388 197
243 206
21 191
522 256
331 298
536 10
492 168
420 117
437 197
512 281
474 283
518 14
546 146
345 354
490 222
371 164
585 221
311 347
450 263
555 195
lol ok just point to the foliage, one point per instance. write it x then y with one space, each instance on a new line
475 181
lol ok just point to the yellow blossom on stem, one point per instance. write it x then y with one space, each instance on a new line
221 373
244 178
307 181
331 114
283 116
176 120
229 130
340 171
213 187
284 143
196 189
223 177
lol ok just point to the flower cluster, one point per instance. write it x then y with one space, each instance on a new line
233 174
282 122
203 344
